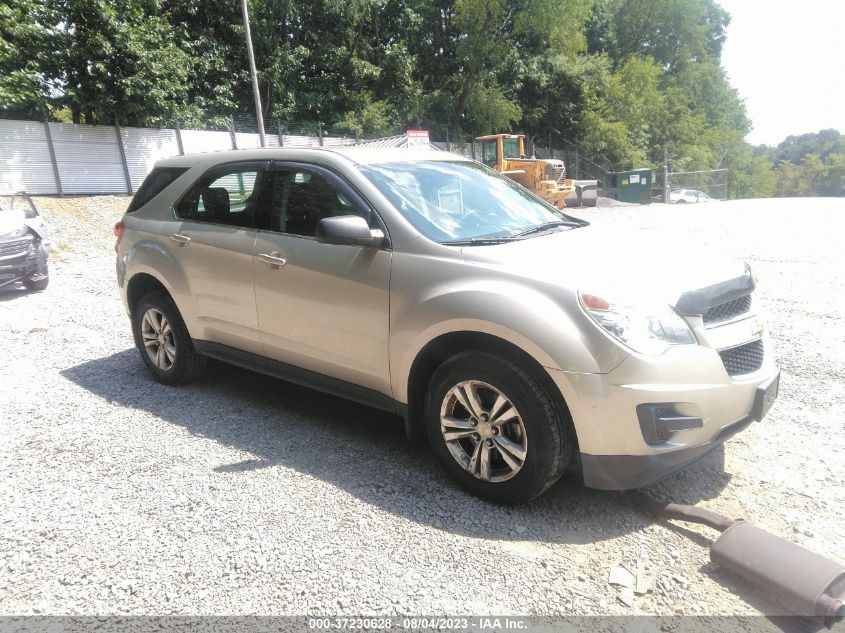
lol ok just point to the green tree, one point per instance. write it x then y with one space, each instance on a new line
809 164
118 59
25 61
673 32
623 79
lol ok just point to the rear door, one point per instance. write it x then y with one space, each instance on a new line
321 307
214 244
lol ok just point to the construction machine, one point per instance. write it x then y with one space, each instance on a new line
545 177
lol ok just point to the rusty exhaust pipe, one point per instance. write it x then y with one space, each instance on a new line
804 583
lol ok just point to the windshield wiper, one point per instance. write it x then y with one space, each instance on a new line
482 241
545 226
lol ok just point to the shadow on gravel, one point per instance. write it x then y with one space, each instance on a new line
9 293
364 452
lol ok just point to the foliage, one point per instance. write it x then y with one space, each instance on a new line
811 177
623 80
24 59
807 164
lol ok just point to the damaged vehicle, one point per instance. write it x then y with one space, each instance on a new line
516 337
24 239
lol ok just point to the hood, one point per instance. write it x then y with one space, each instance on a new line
619 266
11 221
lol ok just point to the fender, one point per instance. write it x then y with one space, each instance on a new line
40 232
555 342
151 258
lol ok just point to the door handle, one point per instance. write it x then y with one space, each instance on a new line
272 259
180 239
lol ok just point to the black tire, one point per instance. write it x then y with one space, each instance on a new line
36 285
39 280
188 364
548 429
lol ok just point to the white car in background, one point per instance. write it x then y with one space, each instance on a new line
24 239
682 196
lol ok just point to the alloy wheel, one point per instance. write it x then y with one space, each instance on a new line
483 431
158 339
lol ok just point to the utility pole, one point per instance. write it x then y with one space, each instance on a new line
254 75
665 175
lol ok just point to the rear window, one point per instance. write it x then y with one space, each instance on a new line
154 184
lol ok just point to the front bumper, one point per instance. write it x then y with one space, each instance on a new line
617 452
623 472
21 261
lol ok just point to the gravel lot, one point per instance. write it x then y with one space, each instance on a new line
240 494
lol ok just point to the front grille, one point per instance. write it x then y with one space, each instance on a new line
556 172
15 247
743 359
727 310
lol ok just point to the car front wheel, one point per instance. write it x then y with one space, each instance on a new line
495 429
163 341
40 278
37 283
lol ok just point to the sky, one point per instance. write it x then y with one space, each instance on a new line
787 60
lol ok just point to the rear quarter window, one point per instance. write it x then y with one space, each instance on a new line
155 182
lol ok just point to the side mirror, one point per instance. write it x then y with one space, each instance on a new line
351 230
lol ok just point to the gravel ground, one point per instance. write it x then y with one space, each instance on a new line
240 494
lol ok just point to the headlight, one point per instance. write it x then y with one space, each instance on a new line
18 233
648 329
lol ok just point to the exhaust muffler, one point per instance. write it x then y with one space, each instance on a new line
803 583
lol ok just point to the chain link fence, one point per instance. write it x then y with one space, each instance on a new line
692 186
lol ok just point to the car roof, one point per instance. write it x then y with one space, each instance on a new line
355 155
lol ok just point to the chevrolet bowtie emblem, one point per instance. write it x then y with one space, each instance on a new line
757 329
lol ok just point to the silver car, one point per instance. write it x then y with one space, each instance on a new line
516 337
24 240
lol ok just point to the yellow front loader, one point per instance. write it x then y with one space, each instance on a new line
546 177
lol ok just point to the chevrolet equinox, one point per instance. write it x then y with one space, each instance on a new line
515 336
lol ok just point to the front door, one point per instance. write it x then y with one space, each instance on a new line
321 307
214 244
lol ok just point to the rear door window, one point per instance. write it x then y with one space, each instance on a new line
155 182
231 195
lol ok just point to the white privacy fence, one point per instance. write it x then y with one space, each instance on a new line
62 158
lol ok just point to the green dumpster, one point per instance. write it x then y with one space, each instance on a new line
633 185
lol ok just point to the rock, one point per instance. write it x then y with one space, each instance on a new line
622 577
626 595
645 578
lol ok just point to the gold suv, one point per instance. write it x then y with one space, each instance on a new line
514 336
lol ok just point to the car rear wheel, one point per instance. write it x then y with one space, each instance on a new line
495 429
163 341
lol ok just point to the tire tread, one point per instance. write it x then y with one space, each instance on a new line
191 363
562 437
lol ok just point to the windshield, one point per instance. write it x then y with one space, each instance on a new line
458 201
510 147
